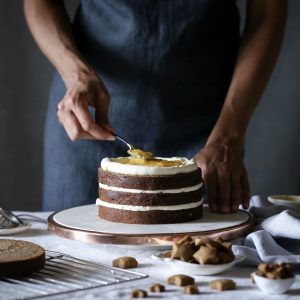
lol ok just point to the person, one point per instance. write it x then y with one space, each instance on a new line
172 77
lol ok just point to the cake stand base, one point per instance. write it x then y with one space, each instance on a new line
82 223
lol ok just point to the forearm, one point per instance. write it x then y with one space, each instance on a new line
51 28
259 48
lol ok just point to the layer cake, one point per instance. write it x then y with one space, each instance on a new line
154 191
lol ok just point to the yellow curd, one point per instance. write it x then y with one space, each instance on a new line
156 162
140 153
145 158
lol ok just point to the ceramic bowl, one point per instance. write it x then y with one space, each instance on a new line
197 269
272 286
291 201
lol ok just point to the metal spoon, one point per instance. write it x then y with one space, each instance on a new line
125 142
131 152
10 220
134 152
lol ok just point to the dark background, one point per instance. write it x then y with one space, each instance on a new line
272 149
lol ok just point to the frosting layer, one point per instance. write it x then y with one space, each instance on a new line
112 165
149 208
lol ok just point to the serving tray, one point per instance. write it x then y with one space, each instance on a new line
83 223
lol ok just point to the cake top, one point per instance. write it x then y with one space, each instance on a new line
151 166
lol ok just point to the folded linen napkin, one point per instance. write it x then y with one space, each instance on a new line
276 237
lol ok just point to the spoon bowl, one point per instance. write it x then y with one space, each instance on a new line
8 219
134 152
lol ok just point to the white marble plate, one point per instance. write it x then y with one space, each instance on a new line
86 218
197 269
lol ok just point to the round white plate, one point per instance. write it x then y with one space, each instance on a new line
15 230
86 218
83 223
197 269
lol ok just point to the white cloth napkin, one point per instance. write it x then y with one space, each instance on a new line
276 237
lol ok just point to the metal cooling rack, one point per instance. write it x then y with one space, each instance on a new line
63 274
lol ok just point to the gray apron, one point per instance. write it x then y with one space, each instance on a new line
167 65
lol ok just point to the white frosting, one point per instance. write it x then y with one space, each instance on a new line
170 191
112 166
100 202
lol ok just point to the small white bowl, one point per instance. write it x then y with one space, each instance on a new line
273 286
291 201
197 269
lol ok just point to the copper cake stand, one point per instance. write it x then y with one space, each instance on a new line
82 223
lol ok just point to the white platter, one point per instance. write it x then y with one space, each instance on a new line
15 230
82 223
197 269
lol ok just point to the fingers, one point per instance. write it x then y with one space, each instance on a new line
72 126
210 182
245 189
74 115
235 192
88 124
225 179
101 111
73 110
224 189
101 105
109 128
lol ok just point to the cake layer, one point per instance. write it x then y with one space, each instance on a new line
150 182
150 217
112 165
150 199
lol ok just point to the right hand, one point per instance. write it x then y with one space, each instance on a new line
86 90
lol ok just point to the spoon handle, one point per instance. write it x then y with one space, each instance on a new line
125 142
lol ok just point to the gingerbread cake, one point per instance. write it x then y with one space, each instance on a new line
19 258
151 191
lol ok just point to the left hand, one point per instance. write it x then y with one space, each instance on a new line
225 176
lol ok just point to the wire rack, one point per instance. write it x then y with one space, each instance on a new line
63 274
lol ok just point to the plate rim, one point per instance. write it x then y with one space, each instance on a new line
237 259
15 230
144 239
198 269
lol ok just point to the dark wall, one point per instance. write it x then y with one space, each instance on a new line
273 144
273 140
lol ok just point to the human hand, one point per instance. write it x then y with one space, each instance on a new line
84 91
225 177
